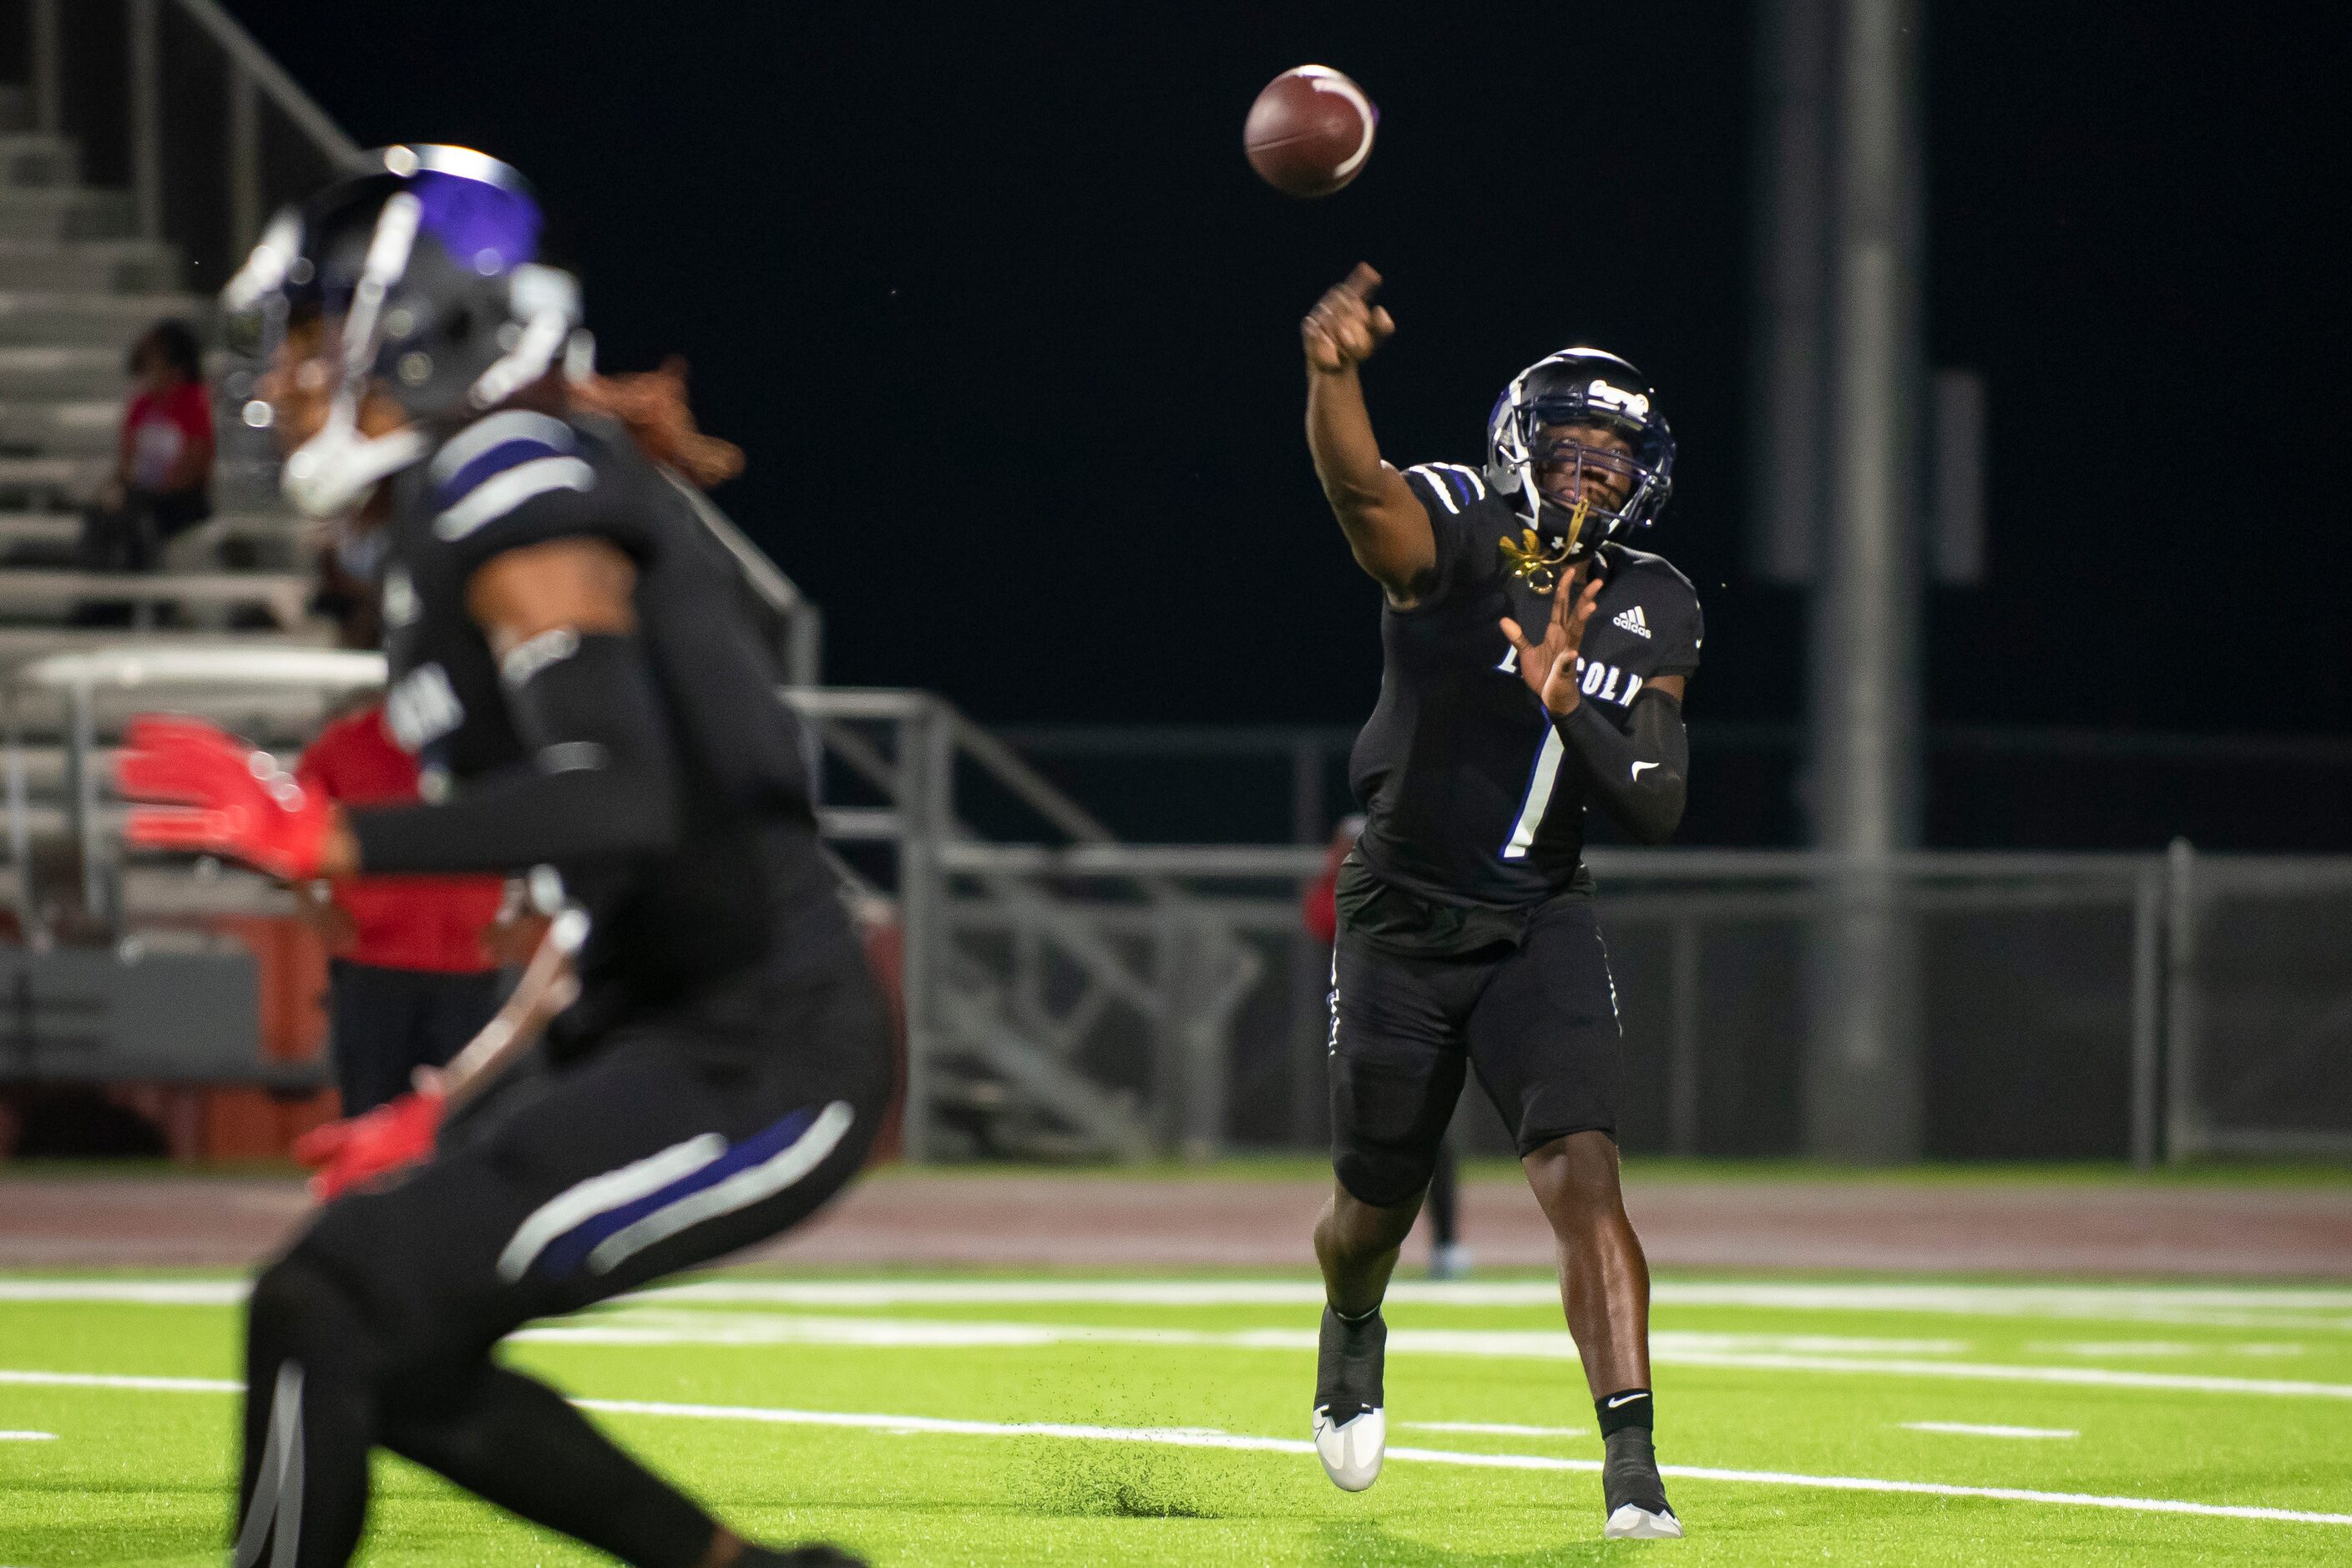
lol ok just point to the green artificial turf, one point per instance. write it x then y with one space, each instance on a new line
1794 1385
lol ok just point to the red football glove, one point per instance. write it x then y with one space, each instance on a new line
226 798
358 1149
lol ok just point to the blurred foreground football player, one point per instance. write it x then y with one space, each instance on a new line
586 707
1533 663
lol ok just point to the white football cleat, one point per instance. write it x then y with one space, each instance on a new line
1351 1452
1632 1522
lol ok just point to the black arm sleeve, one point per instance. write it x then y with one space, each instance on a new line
599 780
1639 774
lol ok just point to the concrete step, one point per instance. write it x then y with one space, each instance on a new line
31 161
20 645
73 212
34 594
77 427
34 373
42 766
271 529
93 266
32 317
30 372
235 540
51 484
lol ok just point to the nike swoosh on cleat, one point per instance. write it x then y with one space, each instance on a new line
1637 769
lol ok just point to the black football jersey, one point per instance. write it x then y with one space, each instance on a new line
747 883
1468 793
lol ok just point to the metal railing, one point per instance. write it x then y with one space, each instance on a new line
241 685
1070 995
239 150
1087 1019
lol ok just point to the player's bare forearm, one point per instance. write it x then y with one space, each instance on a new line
1384 524
1386 528
548 987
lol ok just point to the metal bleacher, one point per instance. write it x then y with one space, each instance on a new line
86 997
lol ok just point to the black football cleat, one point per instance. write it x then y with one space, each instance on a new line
1350 1430
1634 1492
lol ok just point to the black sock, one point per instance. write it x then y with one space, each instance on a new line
1626 1408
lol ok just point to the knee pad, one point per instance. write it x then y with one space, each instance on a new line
1384 1178
1385 1130
300 1312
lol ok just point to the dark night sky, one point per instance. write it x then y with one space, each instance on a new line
1008 326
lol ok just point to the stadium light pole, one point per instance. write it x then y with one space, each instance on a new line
1852 65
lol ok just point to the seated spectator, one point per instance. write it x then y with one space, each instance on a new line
413 970
162 484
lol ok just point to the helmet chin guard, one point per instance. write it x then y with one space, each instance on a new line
334 471
1580 388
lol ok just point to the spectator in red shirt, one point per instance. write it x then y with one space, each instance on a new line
413 973
162 484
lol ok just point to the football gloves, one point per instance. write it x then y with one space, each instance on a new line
218 797
358 1149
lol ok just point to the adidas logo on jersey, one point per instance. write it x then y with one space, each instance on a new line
1633 621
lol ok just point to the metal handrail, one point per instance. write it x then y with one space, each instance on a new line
270 76
253 76
802 654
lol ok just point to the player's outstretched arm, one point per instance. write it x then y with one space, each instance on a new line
598 779
1385 526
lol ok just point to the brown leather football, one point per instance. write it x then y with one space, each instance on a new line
1310 131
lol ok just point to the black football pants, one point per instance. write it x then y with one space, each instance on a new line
678 1139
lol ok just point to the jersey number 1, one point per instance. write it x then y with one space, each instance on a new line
1539 796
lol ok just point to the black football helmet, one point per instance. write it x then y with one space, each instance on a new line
428 255
1579 386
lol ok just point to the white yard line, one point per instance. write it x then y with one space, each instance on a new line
633 1323
1195 1438
2076 1376
1970 1429
137 1292
2228 1306
1497 1429
111 1380
1206 1437
653 1326
1997 1301
27 1436
638 1322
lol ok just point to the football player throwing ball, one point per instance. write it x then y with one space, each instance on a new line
1534 665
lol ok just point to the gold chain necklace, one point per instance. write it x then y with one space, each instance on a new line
1533 564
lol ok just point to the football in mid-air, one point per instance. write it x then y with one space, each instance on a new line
1310 131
